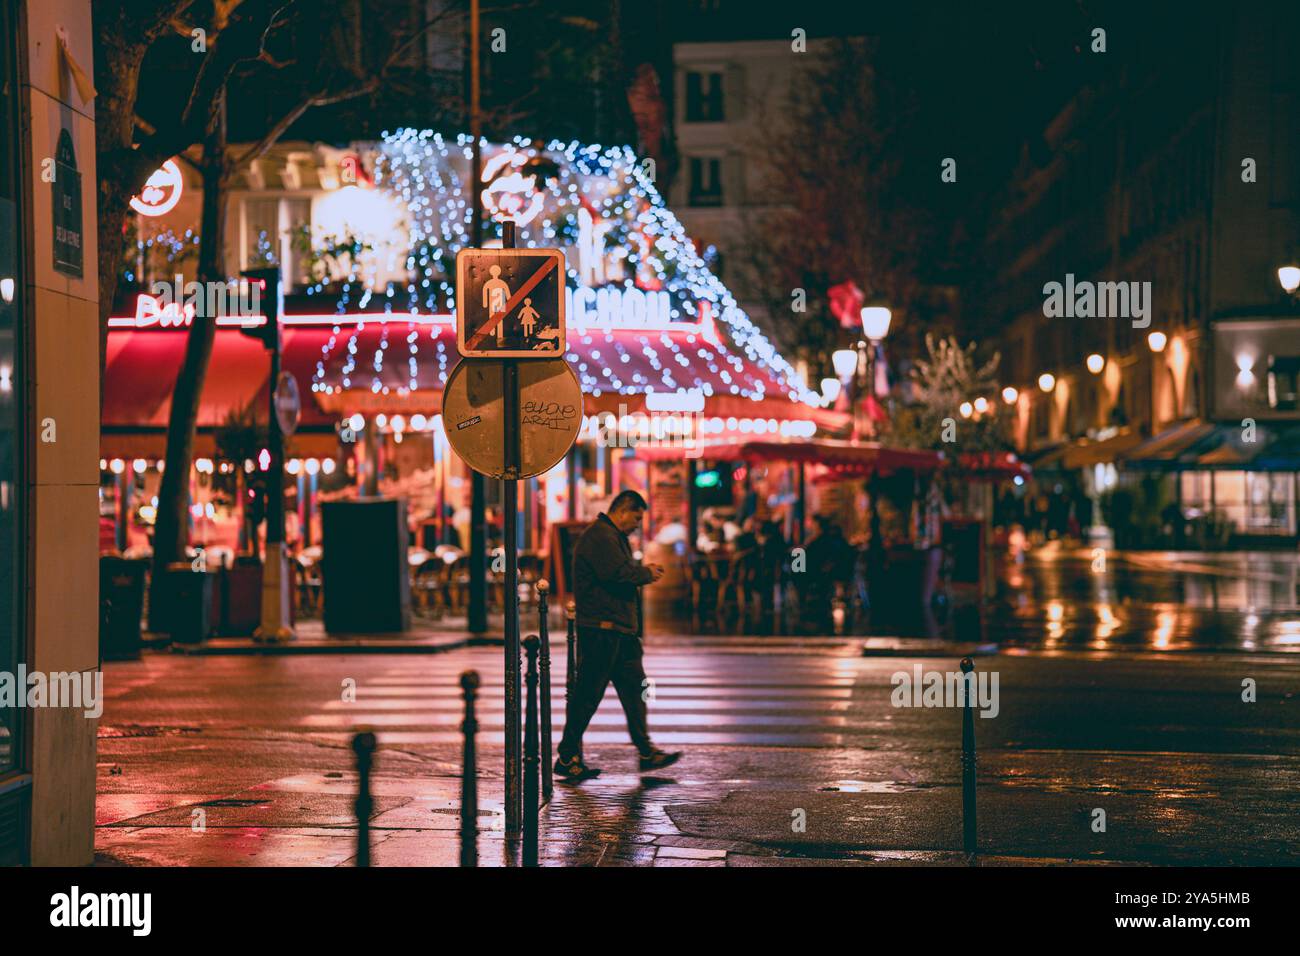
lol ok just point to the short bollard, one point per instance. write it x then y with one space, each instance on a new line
544 673
469 684
571 671
363 745
530 756
968 757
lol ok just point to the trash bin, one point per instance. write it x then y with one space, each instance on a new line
241 597
121 604
189 603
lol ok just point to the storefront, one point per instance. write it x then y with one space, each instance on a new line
663 353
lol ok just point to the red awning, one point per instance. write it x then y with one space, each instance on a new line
991 466
840 458
401 365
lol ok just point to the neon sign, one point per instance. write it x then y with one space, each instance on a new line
161 192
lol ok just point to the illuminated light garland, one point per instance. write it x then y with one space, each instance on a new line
610 218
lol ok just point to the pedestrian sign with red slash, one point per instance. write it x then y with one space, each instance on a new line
510 303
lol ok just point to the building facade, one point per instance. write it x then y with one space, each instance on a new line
1133 276
49 421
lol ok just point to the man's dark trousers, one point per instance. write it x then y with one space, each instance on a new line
606 655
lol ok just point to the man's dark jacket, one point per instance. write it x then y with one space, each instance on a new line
606 579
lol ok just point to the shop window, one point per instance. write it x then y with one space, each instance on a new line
704 97
1283 384
1257 502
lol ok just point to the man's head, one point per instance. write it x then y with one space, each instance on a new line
626 511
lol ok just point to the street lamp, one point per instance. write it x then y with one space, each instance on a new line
1047 381
1289 276
845 362
965 408
875 322
1157 341
1096 363
1010 394
831 390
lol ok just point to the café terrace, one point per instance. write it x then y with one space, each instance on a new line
366 239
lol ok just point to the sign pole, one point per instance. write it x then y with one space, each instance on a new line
275 620
477 616
510 508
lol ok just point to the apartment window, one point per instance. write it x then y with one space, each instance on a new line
706 181
704 97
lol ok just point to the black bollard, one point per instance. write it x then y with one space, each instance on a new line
469 683
363 745
968 757
571 672
544 673
530 756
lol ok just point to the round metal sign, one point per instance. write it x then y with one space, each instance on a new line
549 414
288 403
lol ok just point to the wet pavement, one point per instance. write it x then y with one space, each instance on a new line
794 755
1066 597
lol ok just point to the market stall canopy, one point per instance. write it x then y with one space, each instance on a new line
840 459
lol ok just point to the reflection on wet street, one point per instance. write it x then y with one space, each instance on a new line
1059 598
1159 601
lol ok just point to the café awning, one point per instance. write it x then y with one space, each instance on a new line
991 466
840 459
1088 452
401 366
1171 447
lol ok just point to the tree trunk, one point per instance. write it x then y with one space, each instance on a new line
171 532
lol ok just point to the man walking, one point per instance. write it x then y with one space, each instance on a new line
606 589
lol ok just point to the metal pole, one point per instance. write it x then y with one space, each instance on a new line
477 622
968 840
275 615
530 756
544 666
469 682
571 662
510 507
363 745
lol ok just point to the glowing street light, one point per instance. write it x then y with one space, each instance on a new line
1096 363
831 390
1157 340
1289 276
981 405
1047 381
875 322
844 361
1010 394
965 409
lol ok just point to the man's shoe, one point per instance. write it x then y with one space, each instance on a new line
574 770
658 759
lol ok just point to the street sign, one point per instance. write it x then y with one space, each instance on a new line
548 417
510 303
288 403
